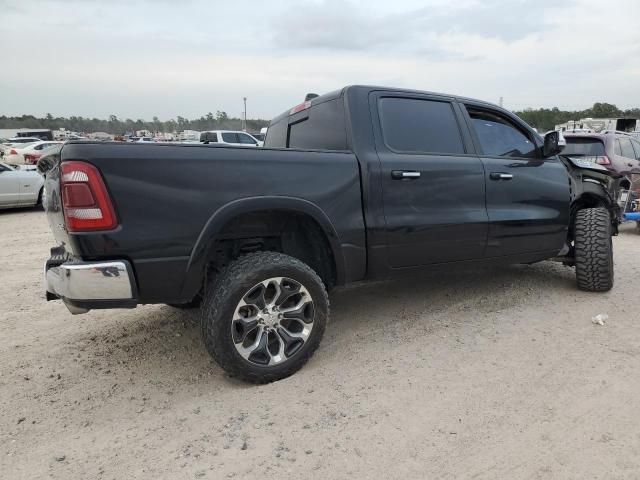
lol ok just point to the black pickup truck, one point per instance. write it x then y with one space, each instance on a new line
357 184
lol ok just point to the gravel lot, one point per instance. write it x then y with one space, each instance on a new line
465 374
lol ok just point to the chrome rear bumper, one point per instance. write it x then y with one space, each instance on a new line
86 285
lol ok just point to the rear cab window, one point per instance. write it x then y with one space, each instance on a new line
413 125
211 137
321 126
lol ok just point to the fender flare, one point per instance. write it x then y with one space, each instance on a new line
217 221
594 188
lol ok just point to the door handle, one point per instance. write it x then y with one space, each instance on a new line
500 176
404 174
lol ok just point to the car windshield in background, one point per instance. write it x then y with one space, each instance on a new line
585 147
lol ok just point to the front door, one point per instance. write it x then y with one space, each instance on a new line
528 197
432 184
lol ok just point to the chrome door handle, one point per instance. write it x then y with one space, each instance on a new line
402 174
500 176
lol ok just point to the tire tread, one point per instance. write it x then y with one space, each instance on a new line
218 293
593 250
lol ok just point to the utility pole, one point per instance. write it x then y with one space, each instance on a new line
501 99
244 123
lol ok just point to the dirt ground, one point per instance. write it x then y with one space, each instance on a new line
464 374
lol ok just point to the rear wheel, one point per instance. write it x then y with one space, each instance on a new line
263 317
593 250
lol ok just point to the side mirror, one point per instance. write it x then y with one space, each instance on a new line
553 144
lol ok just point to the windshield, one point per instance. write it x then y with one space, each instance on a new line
581 146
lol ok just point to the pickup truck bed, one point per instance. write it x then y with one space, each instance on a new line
172 201
361 183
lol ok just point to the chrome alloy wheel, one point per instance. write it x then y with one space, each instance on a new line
272 321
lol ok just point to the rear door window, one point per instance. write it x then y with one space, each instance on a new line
617 149
413 125
626 148
636 148
229 137
584 147
499 136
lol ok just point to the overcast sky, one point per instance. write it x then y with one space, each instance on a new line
166 58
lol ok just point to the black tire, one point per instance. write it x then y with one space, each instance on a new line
593 250
223 295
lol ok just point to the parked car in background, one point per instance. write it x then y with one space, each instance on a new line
18 154
16 141
31 158
20 186
229 137
616 151
22 140
145 140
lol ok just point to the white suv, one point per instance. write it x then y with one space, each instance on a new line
229 137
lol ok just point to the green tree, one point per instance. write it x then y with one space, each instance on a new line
604 110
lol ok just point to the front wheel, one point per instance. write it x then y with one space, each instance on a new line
263 317
593 250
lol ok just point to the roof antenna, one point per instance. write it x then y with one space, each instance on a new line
310 96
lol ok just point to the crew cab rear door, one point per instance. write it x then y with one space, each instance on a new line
432 182
528 198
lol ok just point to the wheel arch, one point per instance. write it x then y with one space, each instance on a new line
224 216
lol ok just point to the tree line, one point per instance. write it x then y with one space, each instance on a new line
547 118
116 126
542 118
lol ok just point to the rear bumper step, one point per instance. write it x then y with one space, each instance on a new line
83 286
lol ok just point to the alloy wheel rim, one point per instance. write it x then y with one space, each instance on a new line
272 321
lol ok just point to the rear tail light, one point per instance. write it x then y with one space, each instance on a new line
603 160
31 159
86 201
